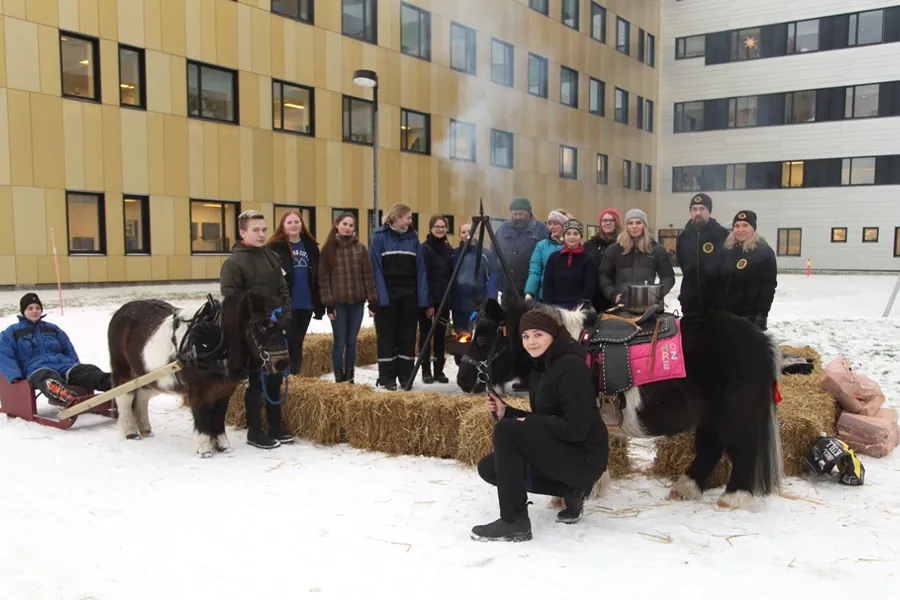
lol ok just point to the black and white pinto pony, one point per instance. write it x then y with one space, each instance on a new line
144 335
727 396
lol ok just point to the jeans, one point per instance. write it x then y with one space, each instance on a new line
348 320
300 319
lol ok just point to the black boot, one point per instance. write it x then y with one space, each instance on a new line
504 531
255 435
339 377
574 507
439 372
276 430
348 376
388 384
426 372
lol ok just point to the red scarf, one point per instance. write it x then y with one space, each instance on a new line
579 249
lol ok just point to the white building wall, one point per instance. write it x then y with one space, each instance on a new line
815 210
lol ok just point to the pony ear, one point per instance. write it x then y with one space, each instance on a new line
494 311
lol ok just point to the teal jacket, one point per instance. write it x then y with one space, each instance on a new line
543 250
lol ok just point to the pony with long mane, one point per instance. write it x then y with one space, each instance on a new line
727 393
218 344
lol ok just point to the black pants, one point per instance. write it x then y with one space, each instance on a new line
300 318
440 332
89 377
253 396
395 328
527 458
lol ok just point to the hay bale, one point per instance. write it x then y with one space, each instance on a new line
317 352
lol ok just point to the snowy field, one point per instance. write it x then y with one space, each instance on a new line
89 515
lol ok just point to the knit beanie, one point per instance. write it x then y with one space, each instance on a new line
538 319
702 199
520 203
748 216
611 211
574 224
557 217
636 213
29 299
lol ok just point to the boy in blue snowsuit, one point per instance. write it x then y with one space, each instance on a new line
42 353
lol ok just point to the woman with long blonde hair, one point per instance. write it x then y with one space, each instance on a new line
749 272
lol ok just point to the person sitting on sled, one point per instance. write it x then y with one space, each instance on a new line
42 353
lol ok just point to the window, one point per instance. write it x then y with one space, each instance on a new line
690 47
623 36
213 226
462 48
803 36
292 108
86 222
568 87
79 58
597 102
462 140
537 75
212 93
132 77
621 106
641 34
745 44
689 117
542 6
651 50
896 241
736 177
415 31
358 121
800 107
648 115
502 63
866 28
360 20
858 171
301 10
648 178
137 225
307 213
838 235
626 174
415 131
638 176
870 235
501 149
570 10
669 240
602 169
742 112
861 102
639 120
789 242
568 162
598 22
792 173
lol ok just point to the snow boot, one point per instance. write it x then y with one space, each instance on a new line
388 384
574 507
276 430
504 531
348 376
57 392
426 373
439 372
255 437
339 377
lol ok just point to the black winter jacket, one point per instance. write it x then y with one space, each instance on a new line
699 254
565 285
748 281
438 255
258 269
618 270
286 255
597 247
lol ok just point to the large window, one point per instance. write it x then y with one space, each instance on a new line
537 75
568 162
80 65
292 108
213 226
870 235
639 118
621 106
800 107
648 178
626 174
858 171
597 97
415 31
792 173
570 13
86 219
803 36
360 20
302 10
789 242
307 213
640 37
568 87
690 47
358 121
838 235
212 92
648 115
501 149
502 63
638 176
896 241
745 44
462 48
542 6
866 28
623 36
598 22
861 102
651 50
462 140
602 169
743 112
132 77
415 131
137 225
689 117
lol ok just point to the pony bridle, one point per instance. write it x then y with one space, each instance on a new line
264 355
484 366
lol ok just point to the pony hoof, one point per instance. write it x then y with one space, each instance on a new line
204 453
222 444
735 500
133 436
147 433
685 489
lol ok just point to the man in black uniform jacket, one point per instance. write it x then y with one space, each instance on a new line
699 251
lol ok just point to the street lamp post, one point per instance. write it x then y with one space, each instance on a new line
369 79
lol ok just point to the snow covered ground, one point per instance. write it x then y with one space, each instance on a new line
88 515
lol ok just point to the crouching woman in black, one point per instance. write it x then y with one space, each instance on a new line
561 448
749 273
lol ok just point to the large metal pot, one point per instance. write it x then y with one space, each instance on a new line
642 296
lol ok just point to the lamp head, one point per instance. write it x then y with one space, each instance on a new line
365 78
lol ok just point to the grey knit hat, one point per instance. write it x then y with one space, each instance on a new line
636 213
574 224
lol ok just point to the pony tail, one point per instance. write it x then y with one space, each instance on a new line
235 311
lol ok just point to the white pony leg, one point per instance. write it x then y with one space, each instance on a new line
631 422
142 405
222 443
735 500
602 487
685 489
203 444
127 421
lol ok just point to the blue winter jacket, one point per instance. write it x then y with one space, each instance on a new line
462 296
26 347
398 266
543 250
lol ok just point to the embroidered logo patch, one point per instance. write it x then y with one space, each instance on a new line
742 215
698 199
742 264
708 247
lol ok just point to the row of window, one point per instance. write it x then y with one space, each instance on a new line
810 173
787 108
798 37
839 235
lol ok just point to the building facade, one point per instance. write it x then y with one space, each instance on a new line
789 109
133 132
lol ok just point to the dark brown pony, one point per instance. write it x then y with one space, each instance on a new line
218 345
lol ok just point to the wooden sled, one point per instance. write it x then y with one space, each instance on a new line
19 400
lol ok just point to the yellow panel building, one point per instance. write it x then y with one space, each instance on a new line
133 132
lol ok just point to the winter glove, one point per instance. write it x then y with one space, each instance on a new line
760 321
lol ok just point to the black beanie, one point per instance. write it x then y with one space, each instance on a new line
748 216
538 319
702 199
28 299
